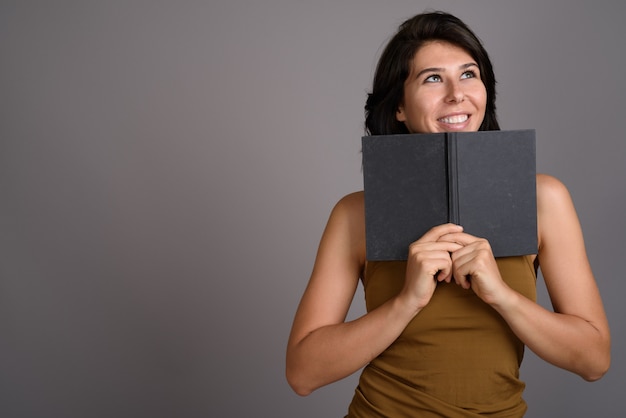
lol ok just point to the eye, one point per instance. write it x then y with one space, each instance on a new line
435 78
468 74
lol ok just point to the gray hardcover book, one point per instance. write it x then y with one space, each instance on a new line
484 181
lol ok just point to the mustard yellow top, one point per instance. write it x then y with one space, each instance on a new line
456 358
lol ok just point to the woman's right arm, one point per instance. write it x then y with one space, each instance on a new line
322 347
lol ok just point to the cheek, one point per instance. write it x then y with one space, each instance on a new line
481 104
425 102
479 99
481 95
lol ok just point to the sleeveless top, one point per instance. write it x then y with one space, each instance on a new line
456 358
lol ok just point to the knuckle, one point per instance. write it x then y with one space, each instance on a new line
483 244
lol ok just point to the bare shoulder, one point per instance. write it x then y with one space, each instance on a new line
556 215
353 202
350 211
348 220
552 196
550 190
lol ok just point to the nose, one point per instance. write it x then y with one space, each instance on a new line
455 92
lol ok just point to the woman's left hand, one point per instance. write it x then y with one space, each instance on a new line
474 266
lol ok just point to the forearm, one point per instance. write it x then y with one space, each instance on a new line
566 341
333 352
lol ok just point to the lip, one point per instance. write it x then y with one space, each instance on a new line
445 122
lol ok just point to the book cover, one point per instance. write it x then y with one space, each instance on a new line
484 181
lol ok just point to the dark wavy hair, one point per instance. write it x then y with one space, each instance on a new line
394 67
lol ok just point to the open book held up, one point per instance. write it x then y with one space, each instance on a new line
484 181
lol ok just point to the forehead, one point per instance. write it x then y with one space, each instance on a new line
440 54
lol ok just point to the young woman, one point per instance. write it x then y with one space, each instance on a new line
445 331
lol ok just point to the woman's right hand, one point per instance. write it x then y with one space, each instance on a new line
428 262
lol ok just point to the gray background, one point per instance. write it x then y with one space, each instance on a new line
167 168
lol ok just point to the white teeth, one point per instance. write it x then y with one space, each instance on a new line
454 119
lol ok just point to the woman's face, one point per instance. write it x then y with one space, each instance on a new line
443 92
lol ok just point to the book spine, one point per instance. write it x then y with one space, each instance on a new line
453 183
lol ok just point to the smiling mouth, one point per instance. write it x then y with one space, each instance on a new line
454 119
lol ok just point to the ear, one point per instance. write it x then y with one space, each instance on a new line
400 115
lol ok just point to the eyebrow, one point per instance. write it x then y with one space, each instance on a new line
441 70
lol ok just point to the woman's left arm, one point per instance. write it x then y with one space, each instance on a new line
576 335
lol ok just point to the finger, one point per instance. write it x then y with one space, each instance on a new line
444 269
459 260
418 247
438 231
445 274
444 266
463 280
460 274
432 259
461 238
